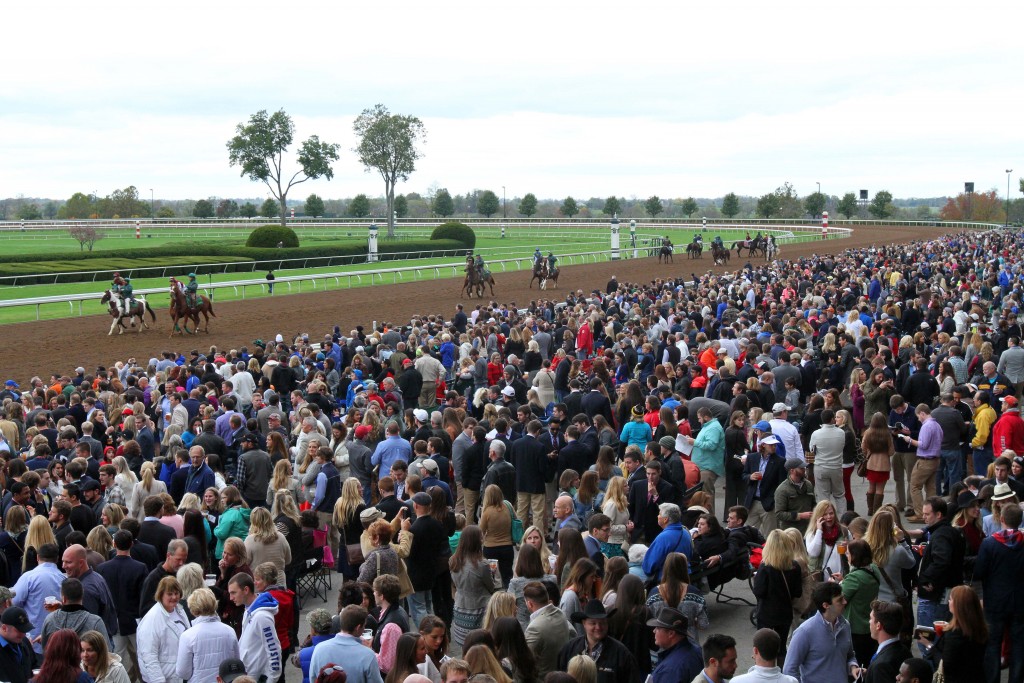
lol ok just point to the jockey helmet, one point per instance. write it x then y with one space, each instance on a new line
192 275
172 279
551 253
117 275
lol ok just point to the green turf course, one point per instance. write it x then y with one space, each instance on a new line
519 242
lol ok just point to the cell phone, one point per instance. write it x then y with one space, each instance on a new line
926 632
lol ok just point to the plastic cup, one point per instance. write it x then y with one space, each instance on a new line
939 627
366 638
493 564
211 580
553 559
51 603
841 548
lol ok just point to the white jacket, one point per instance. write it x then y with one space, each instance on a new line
116 672
258 648
203 647
157 637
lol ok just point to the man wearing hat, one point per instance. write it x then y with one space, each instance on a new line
427 556
762 474
615 663
678 658
230 669
16 657
254 471
359 456
794 497
672 468
785 432
431 471
1002 476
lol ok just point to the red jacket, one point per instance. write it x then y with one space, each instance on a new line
284 621
1008 433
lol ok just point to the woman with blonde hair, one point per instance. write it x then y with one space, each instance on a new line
824 534
891 553
171 441
346 518
39 533
265 543
777 583
100 542
191 576
99 662
583 669
124 477
535 537
617 509
111 518
496 526
282 479
148 486
481 660
500 604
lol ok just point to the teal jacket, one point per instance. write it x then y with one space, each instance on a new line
709 448
233 522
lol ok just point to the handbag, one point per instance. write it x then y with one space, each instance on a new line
405 588
862 468
517 525
940 674
903 599
355 554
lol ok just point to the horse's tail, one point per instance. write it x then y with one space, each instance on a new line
150 309
209 304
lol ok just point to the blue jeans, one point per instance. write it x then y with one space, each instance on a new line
930 611
367 493
982 459
952 464
421 604
996 628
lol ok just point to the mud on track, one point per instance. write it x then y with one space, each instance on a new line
58 346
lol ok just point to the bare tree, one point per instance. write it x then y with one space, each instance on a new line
86 236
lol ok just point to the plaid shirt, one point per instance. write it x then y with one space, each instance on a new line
115 496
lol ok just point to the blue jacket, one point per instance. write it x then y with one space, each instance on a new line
682 663
197 483
306 654
672 539
999 565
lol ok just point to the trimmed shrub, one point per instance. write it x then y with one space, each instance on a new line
454 230
269 236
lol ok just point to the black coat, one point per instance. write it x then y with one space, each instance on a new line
596 403
886 665
533 466
774 602
573 456
14 669
125 577
616 664
158 535
942 565
474 466
774 474
429 547
645 514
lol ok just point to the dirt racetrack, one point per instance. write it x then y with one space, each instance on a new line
58 346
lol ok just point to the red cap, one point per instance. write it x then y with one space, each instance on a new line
362 431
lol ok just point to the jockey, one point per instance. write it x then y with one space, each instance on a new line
697 239
552 260
480 268
748 236
191 291
718 242
758 237
118 287
537 256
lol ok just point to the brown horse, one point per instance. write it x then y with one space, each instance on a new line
720 254
138 309
180 311
474 281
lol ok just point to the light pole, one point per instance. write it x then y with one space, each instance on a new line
1008 172
504 211
152 207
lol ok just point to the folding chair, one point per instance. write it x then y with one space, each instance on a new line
316 579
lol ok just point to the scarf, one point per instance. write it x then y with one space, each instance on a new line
830 536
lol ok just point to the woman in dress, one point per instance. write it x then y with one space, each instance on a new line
474 583
878 448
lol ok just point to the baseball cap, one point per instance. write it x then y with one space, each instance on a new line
407 362
6 594
779 408
248 436
90 485
11 383
18 618
430 465
362 431
422 498
421 415
762 426
230 669
1009 401
508 391
794 463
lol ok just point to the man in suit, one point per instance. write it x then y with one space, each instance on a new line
762 476
533 470
884 624
574 399
573 455
564 512
644 498
548 631
152 530
633 462
588 437
596 403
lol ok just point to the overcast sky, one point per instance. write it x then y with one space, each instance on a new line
555 98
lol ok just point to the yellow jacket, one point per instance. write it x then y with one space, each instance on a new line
984 418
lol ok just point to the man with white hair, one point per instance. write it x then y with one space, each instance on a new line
499 472
672 539
785 432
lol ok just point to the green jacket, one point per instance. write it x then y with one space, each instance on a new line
860 588
233 522
791 500
709 448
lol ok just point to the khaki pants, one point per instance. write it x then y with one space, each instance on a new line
531 502
764 520
428 395
708 479
902 468
460 500
471 498
923 477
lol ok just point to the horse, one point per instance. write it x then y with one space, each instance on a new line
474 281
694 250
666 253
138 309
720 254
180 311
771 250
540 269
552 275
752 246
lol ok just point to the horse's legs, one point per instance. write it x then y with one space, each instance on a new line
115 323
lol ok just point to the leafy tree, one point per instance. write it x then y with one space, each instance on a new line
847 205
730 205
528 204
259 147
976 206
168 212
125 203
814 203
443 205
569 207
314 206
227 208
203 209
29 212
271 208
768 205
487 203
612 206
86 236
653 206
689 206
881 206
401 206
359 207
248 210
387 144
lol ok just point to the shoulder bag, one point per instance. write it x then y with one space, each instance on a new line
517 525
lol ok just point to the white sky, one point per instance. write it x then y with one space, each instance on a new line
555 98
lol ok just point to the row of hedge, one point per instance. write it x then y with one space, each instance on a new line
214 257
